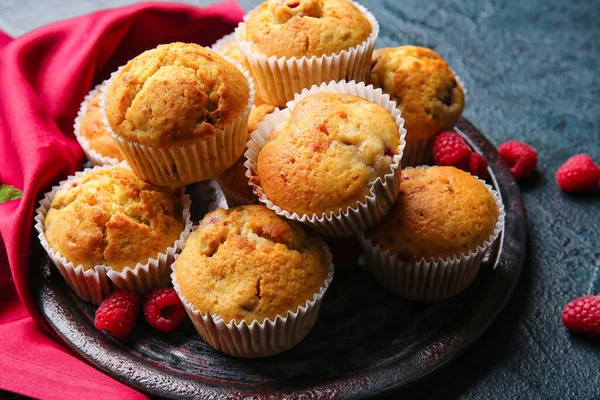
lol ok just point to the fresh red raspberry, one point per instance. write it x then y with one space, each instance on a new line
449 148
520 157
117 313
583 315
578 173
478 165
163 309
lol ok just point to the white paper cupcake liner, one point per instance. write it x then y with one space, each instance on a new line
383 192
95 284
234 199
418 152
193 162
430 279
92 155
225 41
240 339
278 79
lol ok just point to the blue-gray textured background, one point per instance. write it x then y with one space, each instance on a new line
532 70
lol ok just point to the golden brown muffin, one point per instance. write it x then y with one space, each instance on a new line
247 263
440 212
423 86
94 131
325 156
174 94
234 179
298 28
112 217
232 51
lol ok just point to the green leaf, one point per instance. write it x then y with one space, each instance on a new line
8 193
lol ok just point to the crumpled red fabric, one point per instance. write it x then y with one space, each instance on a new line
44 76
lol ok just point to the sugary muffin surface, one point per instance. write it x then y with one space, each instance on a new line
297 28
247 263
440 212
327 154
234 178
424 87
94 131
175 94
111 217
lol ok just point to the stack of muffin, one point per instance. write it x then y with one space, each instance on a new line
331 126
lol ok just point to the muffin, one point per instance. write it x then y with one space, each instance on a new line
293 44
331 159
234 181
432 242
426 90
98 145
179 113
106 224
251 281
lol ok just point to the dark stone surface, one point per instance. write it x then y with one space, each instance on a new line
532 73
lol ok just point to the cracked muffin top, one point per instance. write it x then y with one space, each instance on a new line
234 179
298 28
246 263
440 212
96 134
327 154
423 86
111 217
175 94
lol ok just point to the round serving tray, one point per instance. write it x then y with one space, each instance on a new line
366 341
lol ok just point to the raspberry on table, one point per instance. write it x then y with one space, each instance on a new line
163 309
450 149
520 157
578 173
583 315
117 313
478 165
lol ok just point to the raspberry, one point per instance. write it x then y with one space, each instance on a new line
520 157
449 148
478 165
578 173
583 315
117 313
163 309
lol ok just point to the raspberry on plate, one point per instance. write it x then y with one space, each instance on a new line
478 165
117 313
450 149
163 309
520 157
578 173
583 315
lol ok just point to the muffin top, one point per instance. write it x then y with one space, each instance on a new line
232 51
298 28
423 86
111 217
247 263
96 134
440 212
327 154
234 178
175 94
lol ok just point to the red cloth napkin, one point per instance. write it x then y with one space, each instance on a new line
44 76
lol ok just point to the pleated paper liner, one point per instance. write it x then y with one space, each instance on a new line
95 284
95 157
257 339
181 165
278 79
383 191
430 279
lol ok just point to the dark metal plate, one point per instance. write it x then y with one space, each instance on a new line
365 342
